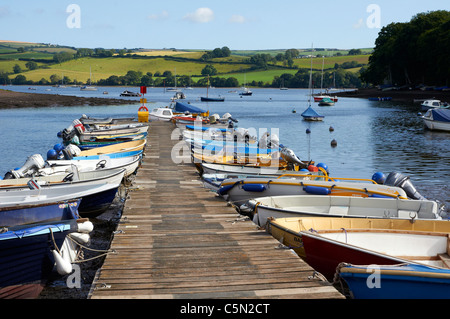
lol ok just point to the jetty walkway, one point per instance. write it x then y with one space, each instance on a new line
178 240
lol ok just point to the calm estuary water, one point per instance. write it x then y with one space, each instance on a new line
370 136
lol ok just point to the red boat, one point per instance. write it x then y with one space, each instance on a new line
324 243
318 98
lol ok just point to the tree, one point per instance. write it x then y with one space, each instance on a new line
354 52
54 79
412 52
17 69
31 65
62 57
209 69
20 80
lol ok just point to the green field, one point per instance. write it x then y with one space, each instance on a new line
179 62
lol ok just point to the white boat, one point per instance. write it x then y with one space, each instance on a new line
36 166
213 168
96 188
89 87
433 104
437 119
129 93
319 97
341 206
238 191
310 114
160 114
130 164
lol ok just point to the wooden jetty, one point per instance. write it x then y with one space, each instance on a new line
178 240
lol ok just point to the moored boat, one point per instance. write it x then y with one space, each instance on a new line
96 188
311 115
398 281
131 146
433 104
320 97
324 243
341 206
161 114
437 119
238 191
326 102
29 253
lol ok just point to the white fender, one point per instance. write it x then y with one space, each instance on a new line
85 227
62 266
81 238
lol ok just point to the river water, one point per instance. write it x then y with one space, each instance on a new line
371 136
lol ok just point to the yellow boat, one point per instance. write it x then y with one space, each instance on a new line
131 146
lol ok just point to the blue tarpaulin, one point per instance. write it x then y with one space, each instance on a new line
183 107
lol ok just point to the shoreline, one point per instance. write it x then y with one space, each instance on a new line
11 99
401 95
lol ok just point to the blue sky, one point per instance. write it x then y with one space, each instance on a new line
197 24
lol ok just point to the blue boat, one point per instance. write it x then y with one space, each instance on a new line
183 107
240 149
401 281
207 128
15 215
110 155
311 115
28 255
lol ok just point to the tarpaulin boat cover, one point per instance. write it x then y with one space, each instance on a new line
183 107
441 115
309 112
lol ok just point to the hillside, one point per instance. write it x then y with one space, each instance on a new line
52 63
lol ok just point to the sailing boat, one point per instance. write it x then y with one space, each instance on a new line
246 89
310 114
211 99
324 100
89 87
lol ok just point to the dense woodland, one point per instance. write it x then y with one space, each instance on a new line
412 53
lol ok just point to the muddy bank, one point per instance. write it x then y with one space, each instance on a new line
10 99
400 95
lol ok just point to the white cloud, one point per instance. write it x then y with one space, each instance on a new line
161 16
235 18
201 15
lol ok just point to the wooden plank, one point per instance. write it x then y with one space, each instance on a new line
177 239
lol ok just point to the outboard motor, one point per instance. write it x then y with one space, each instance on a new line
68 133
32 164
289 156
72 151
228 117
214 118
402 181
269 141
248 208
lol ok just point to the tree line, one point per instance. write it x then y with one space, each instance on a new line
412 53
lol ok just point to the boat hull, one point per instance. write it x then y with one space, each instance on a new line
27 259
342 206
97 189
241 190
325 243
28 214
403 281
